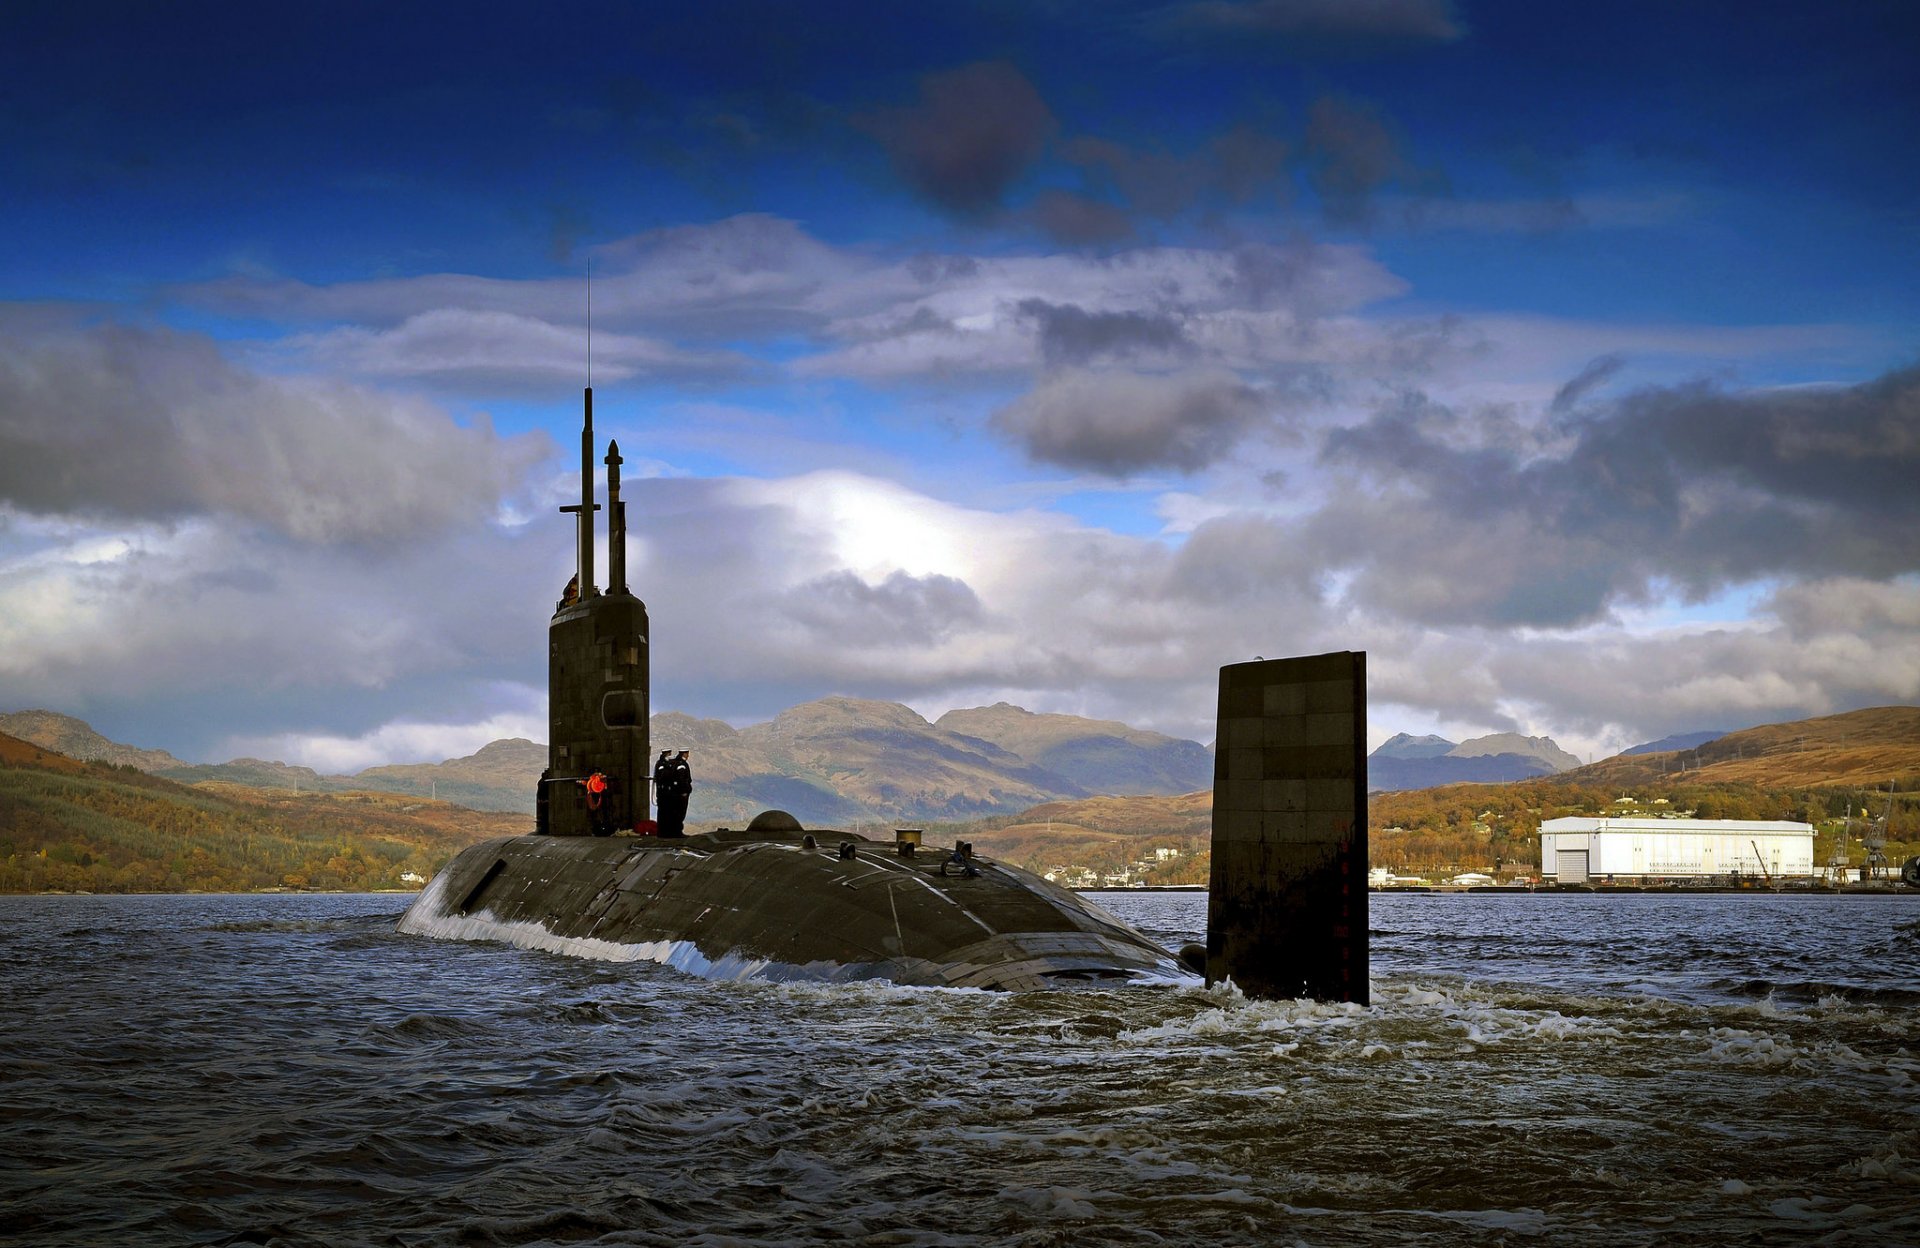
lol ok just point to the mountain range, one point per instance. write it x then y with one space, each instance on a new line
1408 762
831 762
847 762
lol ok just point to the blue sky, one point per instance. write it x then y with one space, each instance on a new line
1562 357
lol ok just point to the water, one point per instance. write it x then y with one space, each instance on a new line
1605 1070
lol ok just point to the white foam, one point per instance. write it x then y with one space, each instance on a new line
1748 1048
1066 1202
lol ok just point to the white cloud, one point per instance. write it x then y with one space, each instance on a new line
500 347
399 741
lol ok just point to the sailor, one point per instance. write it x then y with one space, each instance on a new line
672 785
569 595
599 809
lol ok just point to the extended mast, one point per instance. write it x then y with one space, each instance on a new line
597 677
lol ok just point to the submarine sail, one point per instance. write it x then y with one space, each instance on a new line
773 900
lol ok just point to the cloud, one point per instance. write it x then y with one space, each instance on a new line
144 423
1353 153
1080 221
223 625
744 274
493 349
841 609
1816 647
1119 423
1231 169
1252 307
974 131
402 740
1072 335
1589 379
679 303
764 593
1452 518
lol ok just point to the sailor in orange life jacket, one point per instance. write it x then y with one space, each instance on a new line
596 787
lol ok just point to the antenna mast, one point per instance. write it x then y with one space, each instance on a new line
585 508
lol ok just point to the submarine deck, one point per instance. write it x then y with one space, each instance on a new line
769 904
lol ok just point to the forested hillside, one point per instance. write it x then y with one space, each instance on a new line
102 827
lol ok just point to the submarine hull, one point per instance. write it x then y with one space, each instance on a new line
767 905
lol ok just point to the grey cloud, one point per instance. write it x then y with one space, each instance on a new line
1590 378
1245 561
974 131
1247 160
1079 221
1796 659
842 609
670 303
1122 423
744 274
1072 335
1301 276
493 349
1851 447
153 424
241 623
1236 165
930 269
1687 486
1354 153
1157 183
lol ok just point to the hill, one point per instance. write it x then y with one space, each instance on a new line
105 827
1155 839
860 760
1094 755
76 739
1865 748
1404 745
1808 769
1678 741
832 762
1406 762
501 775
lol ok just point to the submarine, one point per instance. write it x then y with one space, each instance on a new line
773 900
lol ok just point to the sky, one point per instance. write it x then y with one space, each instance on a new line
1563 358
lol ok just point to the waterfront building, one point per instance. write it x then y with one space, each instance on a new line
1578 850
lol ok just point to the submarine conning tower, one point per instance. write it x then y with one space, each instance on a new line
597 678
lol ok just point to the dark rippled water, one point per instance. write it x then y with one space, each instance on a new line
1630 1070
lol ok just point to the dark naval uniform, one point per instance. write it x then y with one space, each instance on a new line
672 786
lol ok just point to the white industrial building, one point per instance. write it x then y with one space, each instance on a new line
1576 850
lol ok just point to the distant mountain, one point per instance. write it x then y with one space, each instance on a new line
832 762
75 738
1390 775
1679 741
1097 755
1501 743
501 775
858 760
1406 762
1403 745
255 773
